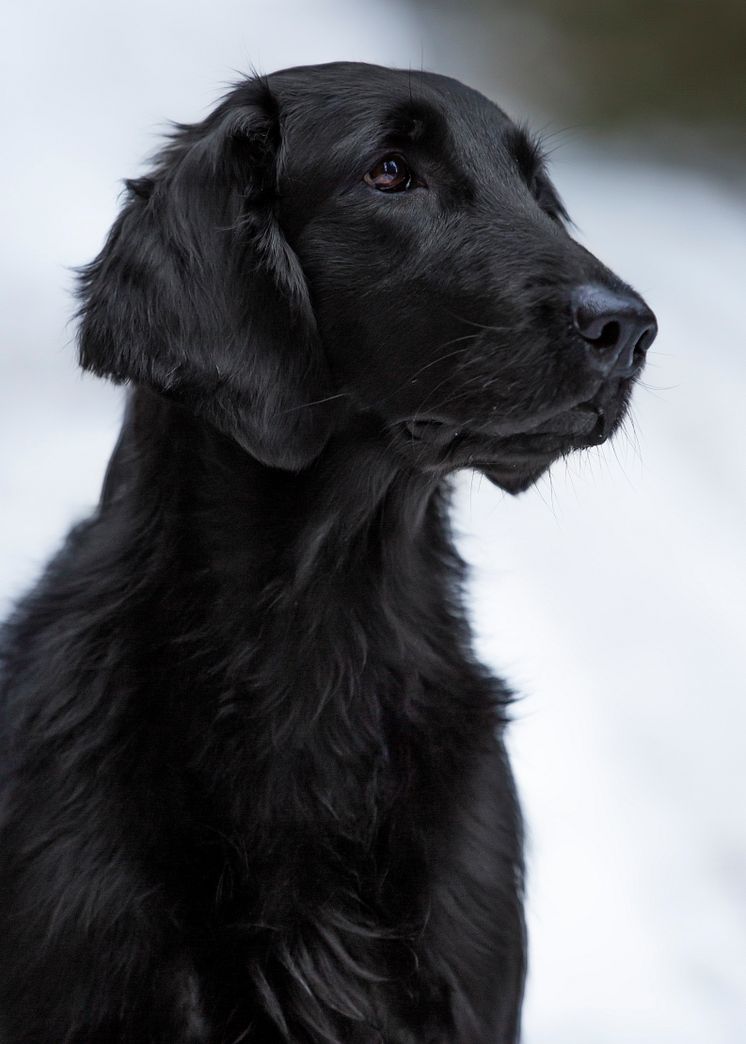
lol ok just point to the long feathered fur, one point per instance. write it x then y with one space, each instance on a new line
254 784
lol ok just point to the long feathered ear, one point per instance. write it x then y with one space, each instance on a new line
197 293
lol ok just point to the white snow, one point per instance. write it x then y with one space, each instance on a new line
612 596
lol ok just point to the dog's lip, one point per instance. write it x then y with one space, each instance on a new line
583 424
587 421
431 430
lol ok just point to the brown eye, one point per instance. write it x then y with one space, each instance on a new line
391 174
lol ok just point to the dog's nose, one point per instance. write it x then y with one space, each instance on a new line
618 329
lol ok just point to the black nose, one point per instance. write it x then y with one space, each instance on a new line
618 329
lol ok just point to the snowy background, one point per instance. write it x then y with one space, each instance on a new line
612 596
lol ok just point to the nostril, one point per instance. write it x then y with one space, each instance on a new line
647 338
641 348
608 337
618 328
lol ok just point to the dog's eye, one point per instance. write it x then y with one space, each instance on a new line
391 174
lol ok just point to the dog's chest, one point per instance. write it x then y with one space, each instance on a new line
332 803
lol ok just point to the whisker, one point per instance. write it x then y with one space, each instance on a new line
317 402
428 365
654 390
480 326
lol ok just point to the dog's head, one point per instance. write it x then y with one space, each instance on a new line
345 241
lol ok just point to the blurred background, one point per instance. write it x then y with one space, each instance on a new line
613 596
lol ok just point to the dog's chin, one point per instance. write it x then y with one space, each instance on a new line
512 460
516 462
517 480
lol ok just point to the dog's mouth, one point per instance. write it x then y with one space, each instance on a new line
512 460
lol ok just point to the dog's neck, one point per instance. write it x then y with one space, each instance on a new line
340 551
314 618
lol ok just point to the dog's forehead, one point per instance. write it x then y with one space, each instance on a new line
351 105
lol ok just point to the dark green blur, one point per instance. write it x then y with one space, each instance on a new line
671 66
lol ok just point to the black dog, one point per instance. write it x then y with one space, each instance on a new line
254 785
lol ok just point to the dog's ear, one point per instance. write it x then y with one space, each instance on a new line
198 294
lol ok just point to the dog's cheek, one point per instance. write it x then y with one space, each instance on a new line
387 342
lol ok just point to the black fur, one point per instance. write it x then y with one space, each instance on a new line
254 785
